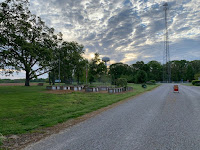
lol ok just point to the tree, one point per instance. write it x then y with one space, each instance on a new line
178 70
195 65
141 76
155 71
25 41
96 68
118 70
197 76
140 65
190 73
71 60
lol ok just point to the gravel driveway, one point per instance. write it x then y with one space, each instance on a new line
156 120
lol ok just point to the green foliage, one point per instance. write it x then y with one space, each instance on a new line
105 79
25 41
189 73
141 76
25 109
12 81
71 62
196 76
1 139
96 69
119 70
151 82
155 71
121 82
196 82
91 79
20 80
182 69
130 78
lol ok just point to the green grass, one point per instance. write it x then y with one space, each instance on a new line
24 109
187 84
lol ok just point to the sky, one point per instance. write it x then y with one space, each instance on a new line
125 30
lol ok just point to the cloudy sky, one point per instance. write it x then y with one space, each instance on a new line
126 30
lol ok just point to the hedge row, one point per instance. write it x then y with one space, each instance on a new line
196 82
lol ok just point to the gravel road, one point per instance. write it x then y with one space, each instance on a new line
156 120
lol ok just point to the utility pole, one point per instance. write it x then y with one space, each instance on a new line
59 68
166 56
86 74
59 49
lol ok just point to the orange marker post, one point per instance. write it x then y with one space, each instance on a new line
176 88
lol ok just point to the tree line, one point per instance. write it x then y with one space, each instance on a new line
139 72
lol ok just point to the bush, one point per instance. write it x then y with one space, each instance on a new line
121 82
196 82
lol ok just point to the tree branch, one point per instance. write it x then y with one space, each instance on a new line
42 73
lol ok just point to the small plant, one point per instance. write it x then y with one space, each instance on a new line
2 138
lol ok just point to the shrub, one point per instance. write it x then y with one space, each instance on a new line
196 82
121 82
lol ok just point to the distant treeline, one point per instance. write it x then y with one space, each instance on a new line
181 70
20 80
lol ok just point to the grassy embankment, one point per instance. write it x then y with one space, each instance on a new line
23 109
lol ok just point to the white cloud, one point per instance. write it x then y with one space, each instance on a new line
116 28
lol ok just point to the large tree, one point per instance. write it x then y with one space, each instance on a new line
120 70
71 60
179 70
25 41
155 70
141 76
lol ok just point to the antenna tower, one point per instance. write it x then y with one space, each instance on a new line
166 56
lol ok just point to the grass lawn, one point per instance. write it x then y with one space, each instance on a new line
23 109
187 84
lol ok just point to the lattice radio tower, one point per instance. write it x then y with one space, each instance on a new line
166 56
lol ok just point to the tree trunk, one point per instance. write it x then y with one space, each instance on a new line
27 79
53 78
49 79
78 78
65 80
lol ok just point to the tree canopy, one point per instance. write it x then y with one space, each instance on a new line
27 44
25 40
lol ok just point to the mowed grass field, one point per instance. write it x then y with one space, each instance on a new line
23 109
